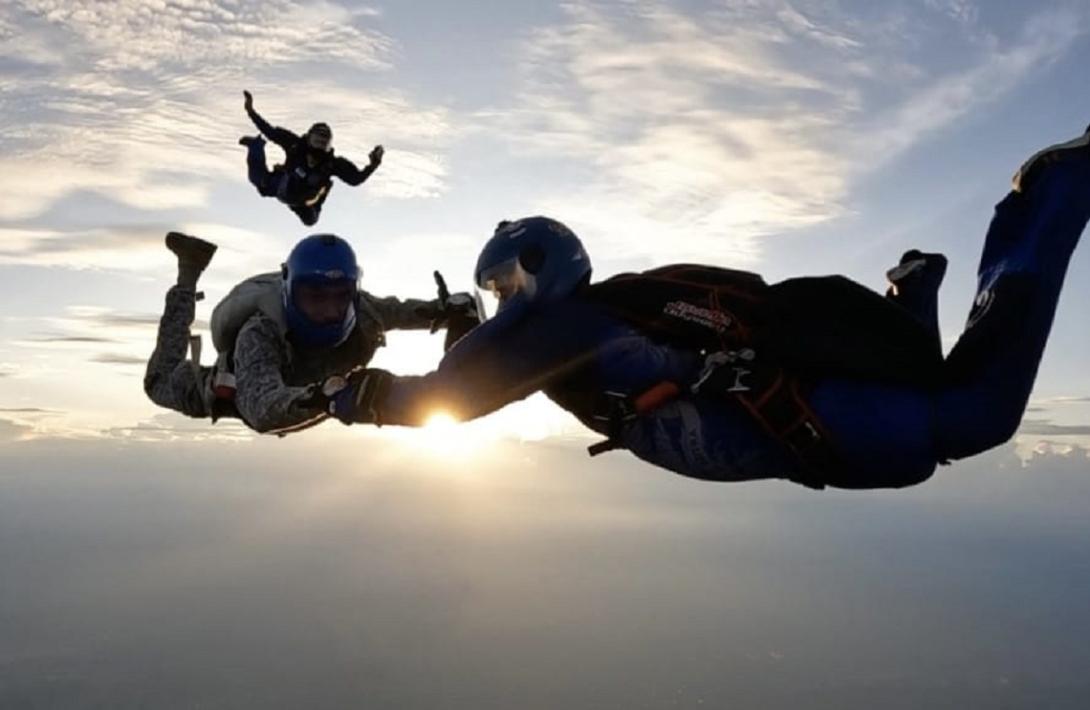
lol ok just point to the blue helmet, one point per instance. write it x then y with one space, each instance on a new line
321 260
531 261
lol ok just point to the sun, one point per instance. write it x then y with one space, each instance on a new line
445 438
443 435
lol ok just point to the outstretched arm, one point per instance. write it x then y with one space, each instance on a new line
347 171
281 136
403 314
495 364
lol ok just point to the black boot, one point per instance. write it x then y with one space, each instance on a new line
914 285
1053 154
917 270
193 256
249 140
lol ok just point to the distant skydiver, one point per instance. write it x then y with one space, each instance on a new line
716 375
276 333
305 178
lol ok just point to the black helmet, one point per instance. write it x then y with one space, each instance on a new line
320 137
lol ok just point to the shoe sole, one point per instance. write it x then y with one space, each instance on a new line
183 244
930 262
899 272
1023 178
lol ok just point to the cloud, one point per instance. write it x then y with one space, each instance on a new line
69 339
23 423
128 99
99 317
11 431
941 100
138 249
174 427
119 359
963 11
30 410
1046 428
750 118
141 36
120 247
1065 399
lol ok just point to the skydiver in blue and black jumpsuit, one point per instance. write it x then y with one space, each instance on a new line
304 180
547 335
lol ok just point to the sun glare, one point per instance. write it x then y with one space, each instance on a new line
442 434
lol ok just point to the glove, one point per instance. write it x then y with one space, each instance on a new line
357 401
461 317
376 155
247 101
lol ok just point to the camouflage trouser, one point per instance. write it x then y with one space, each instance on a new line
171 380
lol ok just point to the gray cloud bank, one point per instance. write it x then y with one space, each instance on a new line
258 575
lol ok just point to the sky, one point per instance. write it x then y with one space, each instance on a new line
785 137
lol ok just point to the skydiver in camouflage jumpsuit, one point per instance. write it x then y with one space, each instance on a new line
275 359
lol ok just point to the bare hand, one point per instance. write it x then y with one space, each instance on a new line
248 100
376 155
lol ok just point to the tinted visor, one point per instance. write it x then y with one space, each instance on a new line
498 284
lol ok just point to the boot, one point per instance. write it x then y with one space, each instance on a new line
1054 153
193 256
916 270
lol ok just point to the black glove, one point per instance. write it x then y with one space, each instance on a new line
358 400
461 317
457 312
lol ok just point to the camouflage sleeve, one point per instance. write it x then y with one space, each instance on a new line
265 402
408 314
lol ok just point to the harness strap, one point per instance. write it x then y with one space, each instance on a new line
195 357
778 406
782 411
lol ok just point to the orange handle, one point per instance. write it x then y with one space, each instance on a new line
655 397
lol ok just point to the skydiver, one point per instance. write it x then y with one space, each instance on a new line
304 180
276 333
755 408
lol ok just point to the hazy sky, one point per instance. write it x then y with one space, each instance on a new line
813 136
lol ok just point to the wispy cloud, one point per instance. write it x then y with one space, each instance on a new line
940 99
964 11
749 118
139 249
99 317
119 359
1046 428
11 431
69 339
30 410
173 427
1064 399
129 98
23 423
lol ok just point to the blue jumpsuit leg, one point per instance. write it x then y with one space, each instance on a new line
258 168
888 436
991 370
